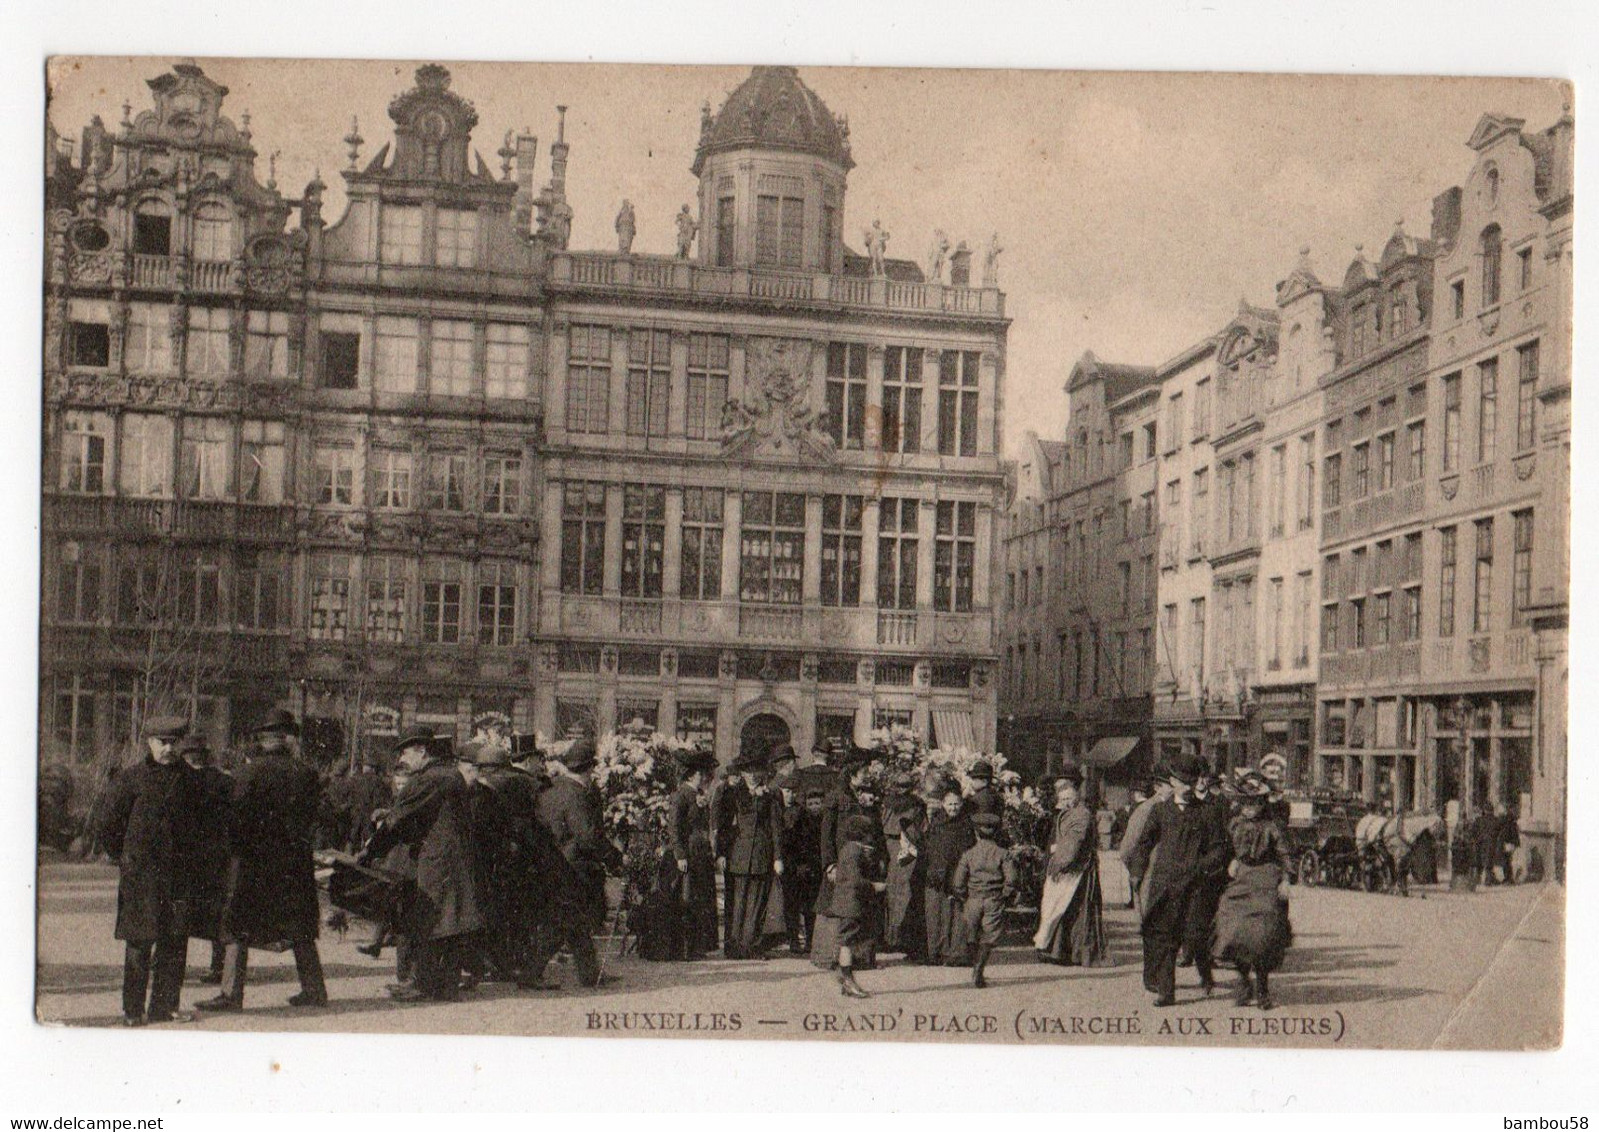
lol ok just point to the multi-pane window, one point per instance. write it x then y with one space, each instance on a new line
701 575
330 597
902 399
1482 597
146 455
841 549
1527 397
1279 489
78 583
1385 461
213 234
649 381
643 539
1196 636
395 357
1521 567
143 591
450 358
1360 469
1487 409
266 344
779 231
400 234
1410 557
957 402
147 347
335 474
446 481
456 237
1491 247
1357 613
1524 268
259 582
1200 517
441 601
1451 456
1146 513
1124 587
707 384
1332 480
1124 511
502 483
1410 613
1302 608
846 393
772 548
83 451
1201 409
88 333
954 556
205 458
1448 539
74 719
505 357
1416 449
1380 618
261 461
1307 481
588 379
341 359
391 478
896 553
496 604
1275 615
583 538
208 341
1174 420
1329 627
385 598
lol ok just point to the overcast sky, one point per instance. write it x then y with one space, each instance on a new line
1135 209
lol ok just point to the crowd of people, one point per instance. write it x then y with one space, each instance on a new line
483 860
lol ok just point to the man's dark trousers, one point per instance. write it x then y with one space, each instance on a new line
163 958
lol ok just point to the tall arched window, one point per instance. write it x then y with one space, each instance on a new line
213 234
1492 253
152 230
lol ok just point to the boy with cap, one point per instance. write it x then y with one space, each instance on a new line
986 879
857 885
152 829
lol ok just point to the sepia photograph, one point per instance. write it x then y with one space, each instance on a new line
858 554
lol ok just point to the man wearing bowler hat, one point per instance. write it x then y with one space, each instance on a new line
152 829
271 898
749 837
1181 850
572 810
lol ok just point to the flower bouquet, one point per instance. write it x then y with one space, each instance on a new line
636 772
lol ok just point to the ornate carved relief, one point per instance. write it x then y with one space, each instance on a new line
775 415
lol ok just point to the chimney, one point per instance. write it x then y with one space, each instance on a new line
558 153
527 156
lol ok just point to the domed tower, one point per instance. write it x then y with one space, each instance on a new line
772 167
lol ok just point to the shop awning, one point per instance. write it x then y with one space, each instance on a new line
952 731
1111 750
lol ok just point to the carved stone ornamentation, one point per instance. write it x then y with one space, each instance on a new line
729 666
549 660
776 417
608 659
866 673
1480 654
1449 486
1525 465
810 668
668 663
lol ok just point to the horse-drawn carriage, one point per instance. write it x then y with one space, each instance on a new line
1334 840
1321 837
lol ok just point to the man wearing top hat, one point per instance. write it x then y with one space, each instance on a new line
433 816
211 860
749 837
571 809
271 898
1181 850
152 829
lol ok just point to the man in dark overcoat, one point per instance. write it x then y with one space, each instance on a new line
434 816
802 868
151 826
549 895
271 896
1181 851
503 813
211 861
572 810
749 825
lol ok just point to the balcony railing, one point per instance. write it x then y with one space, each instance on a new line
770 623
152 271
895 628
656 273
212 276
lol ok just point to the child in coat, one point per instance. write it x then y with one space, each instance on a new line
985 879
857 885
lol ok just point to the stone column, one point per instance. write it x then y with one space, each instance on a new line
811 580
988 404
555 388
926 526
871 523
672 566
618 396
874 398
613 541
930 400
677 395
732 523
727 708
550 537
983 552
666 713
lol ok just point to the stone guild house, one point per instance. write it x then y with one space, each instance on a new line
428 463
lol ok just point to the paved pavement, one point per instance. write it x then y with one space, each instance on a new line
1440 969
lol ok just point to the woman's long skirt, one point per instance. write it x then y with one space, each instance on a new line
679 915
1252 920
948 942
1071 921
904 928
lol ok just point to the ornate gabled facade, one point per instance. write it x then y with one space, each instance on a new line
772 478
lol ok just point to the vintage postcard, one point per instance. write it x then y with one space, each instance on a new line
814 553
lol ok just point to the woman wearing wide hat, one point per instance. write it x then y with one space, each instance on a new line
680 914
1252 930
1071 922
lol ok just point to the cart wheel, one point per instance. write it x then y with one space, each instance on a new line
1310 869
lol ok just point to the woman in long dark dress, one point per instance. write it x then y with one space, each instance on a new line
852 797
904 827
949 834
1071 928
680 916
1252 929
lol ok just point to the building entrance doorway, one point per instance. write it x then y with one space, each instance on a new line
762 734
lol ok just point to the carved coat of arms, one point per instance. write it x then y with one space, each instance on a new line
776 413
